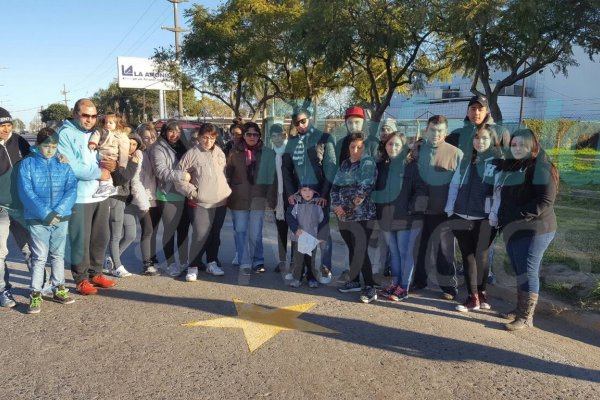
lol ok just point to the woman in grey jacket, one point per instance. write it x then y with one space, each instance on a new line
207 192
166 154
468 205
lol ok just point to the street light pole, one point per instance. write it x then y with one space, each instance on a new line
176 29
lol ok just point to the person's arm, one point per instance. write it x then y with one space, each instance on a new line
122 176
453 191
545 189
288 176
162 166
329 167
85 167
138 191
290 218
184 187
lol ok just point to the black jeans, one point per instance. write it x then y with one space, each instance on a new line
474 238
88 236
356 234
437 248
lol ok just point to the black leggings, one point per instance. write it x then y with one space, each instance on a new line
474 238
356 234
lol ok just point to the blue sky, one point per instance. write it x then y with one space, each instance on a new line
48 43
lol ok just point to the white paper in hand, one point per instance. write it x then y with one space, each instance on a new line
307 243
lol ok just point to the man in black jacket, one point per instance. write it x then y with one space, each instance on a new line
13 148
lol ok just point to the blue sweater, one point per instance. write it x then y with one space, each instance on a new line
47 188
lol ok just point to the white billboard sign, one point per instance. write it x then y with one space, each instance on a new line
141 73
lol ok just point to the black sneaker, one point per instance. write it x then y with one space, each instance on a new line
62 296
368 294
259 269
350 286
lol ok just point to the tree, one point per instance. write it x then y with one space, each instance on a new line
520 37
55 112
380 46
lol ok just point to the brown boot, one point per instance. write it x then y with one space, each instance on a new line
525 311
512 314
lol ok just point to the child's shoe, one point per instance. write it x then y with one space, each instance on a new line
35 303
62 296
105 191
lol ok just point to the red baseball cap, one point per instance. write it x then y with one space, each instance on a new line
355 111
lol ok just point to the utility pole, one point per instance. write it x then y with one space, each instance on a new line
176 29
64 92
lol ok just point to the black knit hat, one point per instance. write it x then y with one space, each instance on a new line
5 116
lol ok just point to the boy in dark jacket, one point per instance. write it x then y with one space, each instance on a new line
304 218
48 189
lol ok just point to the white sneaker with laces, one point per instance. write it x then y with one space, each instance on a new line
192 274
173 270
121 272
213 269
289 276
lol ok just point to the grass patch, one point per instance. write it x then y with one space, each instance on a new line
565 291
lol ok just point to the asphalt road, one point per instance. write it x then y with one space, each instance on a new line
130 342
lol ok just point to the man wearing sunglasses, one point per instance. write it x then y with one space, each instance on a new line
88 225
310 158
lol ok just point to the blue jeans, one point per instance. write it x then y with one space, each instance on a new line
525 254
247 227
402 245
48 241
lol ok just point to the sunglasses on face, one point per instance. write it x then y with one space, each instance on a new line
252 134
300 122
88 116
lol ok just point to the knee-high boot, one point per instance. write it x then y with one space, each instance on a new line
525 311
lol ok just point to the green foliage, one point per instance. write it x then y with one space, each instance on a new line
55 112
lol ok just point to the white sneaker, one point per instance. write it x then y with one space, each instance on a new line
289 276
235 260
173 270
121 272
108 266
192 274
213 269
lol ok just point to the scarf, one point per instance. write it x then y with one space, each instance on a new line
250 156
279 209
298 155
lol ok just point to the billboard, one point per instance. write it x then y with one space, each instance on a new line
141 73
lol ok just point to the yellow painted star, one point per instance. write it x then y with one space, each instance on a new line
261 324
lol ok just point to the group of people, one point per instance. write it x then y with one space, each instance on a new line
465 186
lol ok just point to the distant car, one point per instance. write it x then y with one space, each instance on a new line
188 127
